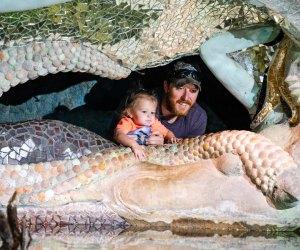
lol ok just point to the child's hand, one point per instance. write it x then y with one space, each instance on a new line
139 152
172 140
170 137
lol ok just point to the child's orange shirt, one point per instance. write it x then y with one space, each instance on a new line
128 125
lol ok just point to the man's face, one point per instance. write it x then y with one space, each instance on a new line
180 99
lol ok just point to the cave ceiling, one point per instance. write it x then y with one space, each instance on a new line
113 38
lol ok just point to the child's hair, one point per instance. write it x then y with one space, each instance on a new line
135 95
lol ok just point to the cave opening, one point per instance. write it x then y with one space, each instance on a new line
101 96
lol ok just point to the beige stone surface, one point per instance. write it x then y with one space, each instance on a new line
154 193
215 190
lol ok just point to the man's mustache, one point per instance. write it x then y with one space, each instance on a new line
184 102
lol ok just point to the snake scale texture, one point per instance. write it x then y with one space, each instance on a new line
41 183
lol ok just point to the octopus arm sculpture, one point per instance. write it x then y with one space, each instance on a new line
86 49
267 165
263 162
238 78
230 73
277 87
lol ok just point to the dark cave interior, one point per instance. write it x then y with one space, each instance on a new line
224 110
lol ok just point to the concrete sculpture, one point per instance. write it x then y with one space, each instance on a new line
251 180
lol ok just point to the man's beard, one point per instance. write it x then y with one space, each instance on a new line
171 106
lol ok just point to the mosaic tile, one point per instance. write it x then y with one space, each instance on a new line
153 28
45 141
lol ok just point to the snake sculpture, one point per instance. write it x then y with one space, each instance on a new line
83 167
66 175
85 36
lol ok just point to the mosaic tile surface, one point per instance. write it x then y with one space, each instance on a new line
137 33
73 217
81 222
46 141
255 60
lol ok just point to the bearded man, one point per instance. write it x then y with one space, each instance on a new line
178 109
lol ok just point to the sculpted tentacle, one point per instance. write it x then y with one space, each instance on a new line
283 88
276 87
57 182
263 161
272 96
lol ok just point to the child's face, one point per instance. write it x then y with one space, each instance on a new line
143 112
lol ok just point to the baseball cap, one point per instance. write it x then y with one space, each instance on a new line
182 73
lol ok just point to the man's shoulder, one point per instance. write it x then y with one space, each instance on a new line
197 110
196 116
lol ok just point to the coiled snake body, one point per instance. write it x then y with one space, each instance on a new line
57 181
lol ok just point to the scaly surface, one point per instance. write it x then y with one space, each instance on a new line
23 63
59 181
262 160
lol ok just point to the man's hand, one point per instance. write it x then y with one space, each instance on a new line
156 138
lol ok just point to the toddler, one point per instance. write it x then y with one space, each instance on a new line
139 118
